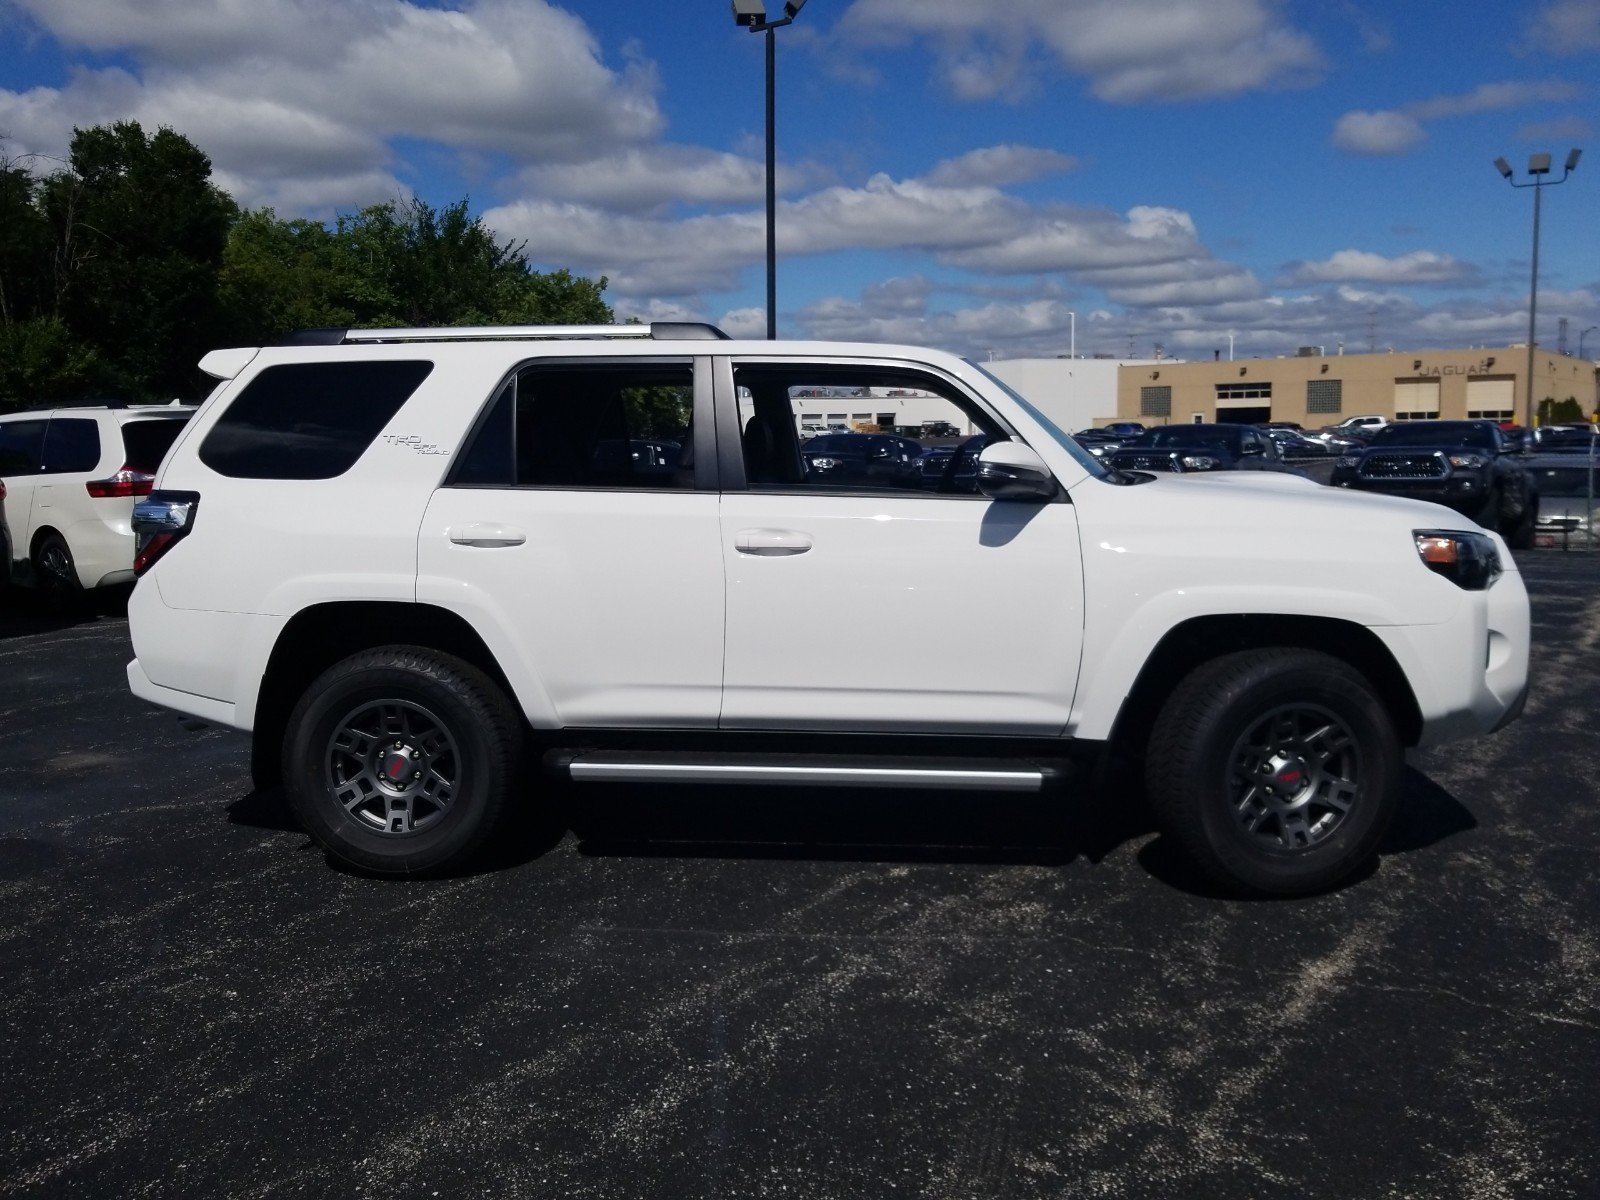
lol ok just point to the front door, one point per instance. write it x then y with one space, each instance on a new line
911 604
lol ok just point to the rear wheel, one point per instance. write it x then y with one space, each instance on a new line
401 760
1277 770
55 571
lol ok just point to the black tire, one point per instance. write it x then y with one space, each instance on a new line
1300 820
400 760
55 572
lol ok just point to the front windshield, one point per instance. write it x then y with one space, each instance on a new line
1566 481
1061 437
1436 433
1188 437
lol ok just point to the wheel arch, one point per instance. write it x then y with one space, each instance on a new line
1201 639
319 636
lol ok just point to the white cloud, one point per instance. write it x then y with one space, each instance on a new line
1565 27
642 177
1377 132
1130 50
288 89
1000 166
1394 131
1420 266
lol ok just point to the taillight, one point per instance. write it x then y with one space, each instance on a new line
126 482
159 523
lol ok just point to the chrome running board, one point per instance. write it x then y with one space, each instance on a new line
815 770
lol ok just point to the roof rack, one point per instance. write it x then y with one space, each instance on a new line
677 331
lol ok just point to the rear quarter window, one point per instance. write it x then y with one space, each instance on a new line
309 420
21 447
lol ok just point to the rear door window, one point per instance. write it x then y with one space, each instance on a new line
309 420
145 443
21 447
71 444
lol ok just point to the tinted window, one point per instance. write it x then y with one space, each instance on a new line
309 420
1566 481
21 447
145 443
1438 433
1191 437
71 444
927 438
604 425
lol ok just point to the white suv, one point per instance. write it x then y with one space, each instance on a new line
421 564
72 476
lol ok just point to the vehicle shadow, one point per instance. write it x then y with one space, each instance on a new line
1427 814
1051 828
25 612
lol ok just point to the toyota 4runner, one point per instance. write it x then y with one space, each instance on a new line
419 564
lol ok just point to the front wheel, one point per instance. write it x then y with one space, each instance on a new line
1277 770
401 760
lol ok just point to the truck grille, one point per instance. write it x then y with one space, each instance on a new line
1403 466
1144 462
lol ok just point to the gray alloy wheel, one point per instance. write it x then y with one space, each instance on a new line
1294 776
393 767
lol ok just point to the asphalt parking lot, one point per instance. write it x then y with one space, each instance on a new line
740 995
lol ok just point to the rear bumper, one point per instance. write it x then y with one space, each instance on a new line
217 712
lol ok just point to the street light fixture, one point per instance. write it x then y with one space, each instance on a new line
1583 335
1538 168
752 15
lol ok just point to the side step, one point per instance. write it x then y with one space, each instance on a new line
800 770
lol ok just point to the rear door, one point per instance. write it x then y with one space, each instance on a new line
581 526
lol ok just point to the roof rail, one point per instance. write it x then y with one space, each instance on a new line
657 330
79 404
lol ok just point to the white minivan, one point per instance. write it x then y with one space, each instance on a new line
72 477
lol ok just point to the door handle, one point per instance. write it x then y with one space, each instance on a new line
771 542
487 535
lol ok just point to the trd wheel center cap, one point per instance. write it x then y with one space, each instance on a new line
1286 775
397 768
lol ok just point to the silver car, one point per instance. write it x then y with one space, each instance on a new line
1569 500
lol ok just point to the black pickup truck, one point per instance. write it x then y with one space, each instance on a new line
1469 466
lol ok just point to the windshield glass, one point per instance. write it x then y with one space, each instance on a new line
1565 481
1061 437
1436 433
1190 437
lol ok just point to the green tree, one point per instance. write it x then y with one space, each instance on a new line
139 232
25 290
391 265
1560 412
42 362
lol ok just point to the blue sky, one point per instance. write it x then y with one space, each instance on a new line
952 172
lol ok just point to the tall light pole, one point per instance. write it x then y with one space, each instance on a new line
752 15
1072 352
1538 168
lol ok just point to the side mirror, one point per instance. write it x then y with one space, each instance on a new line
1252 448
1012 471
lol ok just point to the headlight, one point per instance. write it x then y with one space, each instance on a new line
1349 461
1470 462
1468 560
1199 462
824 464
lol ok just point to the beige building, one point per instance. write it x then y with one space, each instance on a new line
1317 390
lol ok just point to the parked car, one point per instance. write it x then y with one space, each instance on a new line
866 458
1101 443
1126 429
952 468
73 475
1581 439
1190 448
1293 444
1465 465
5 542
1569 499
383 555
